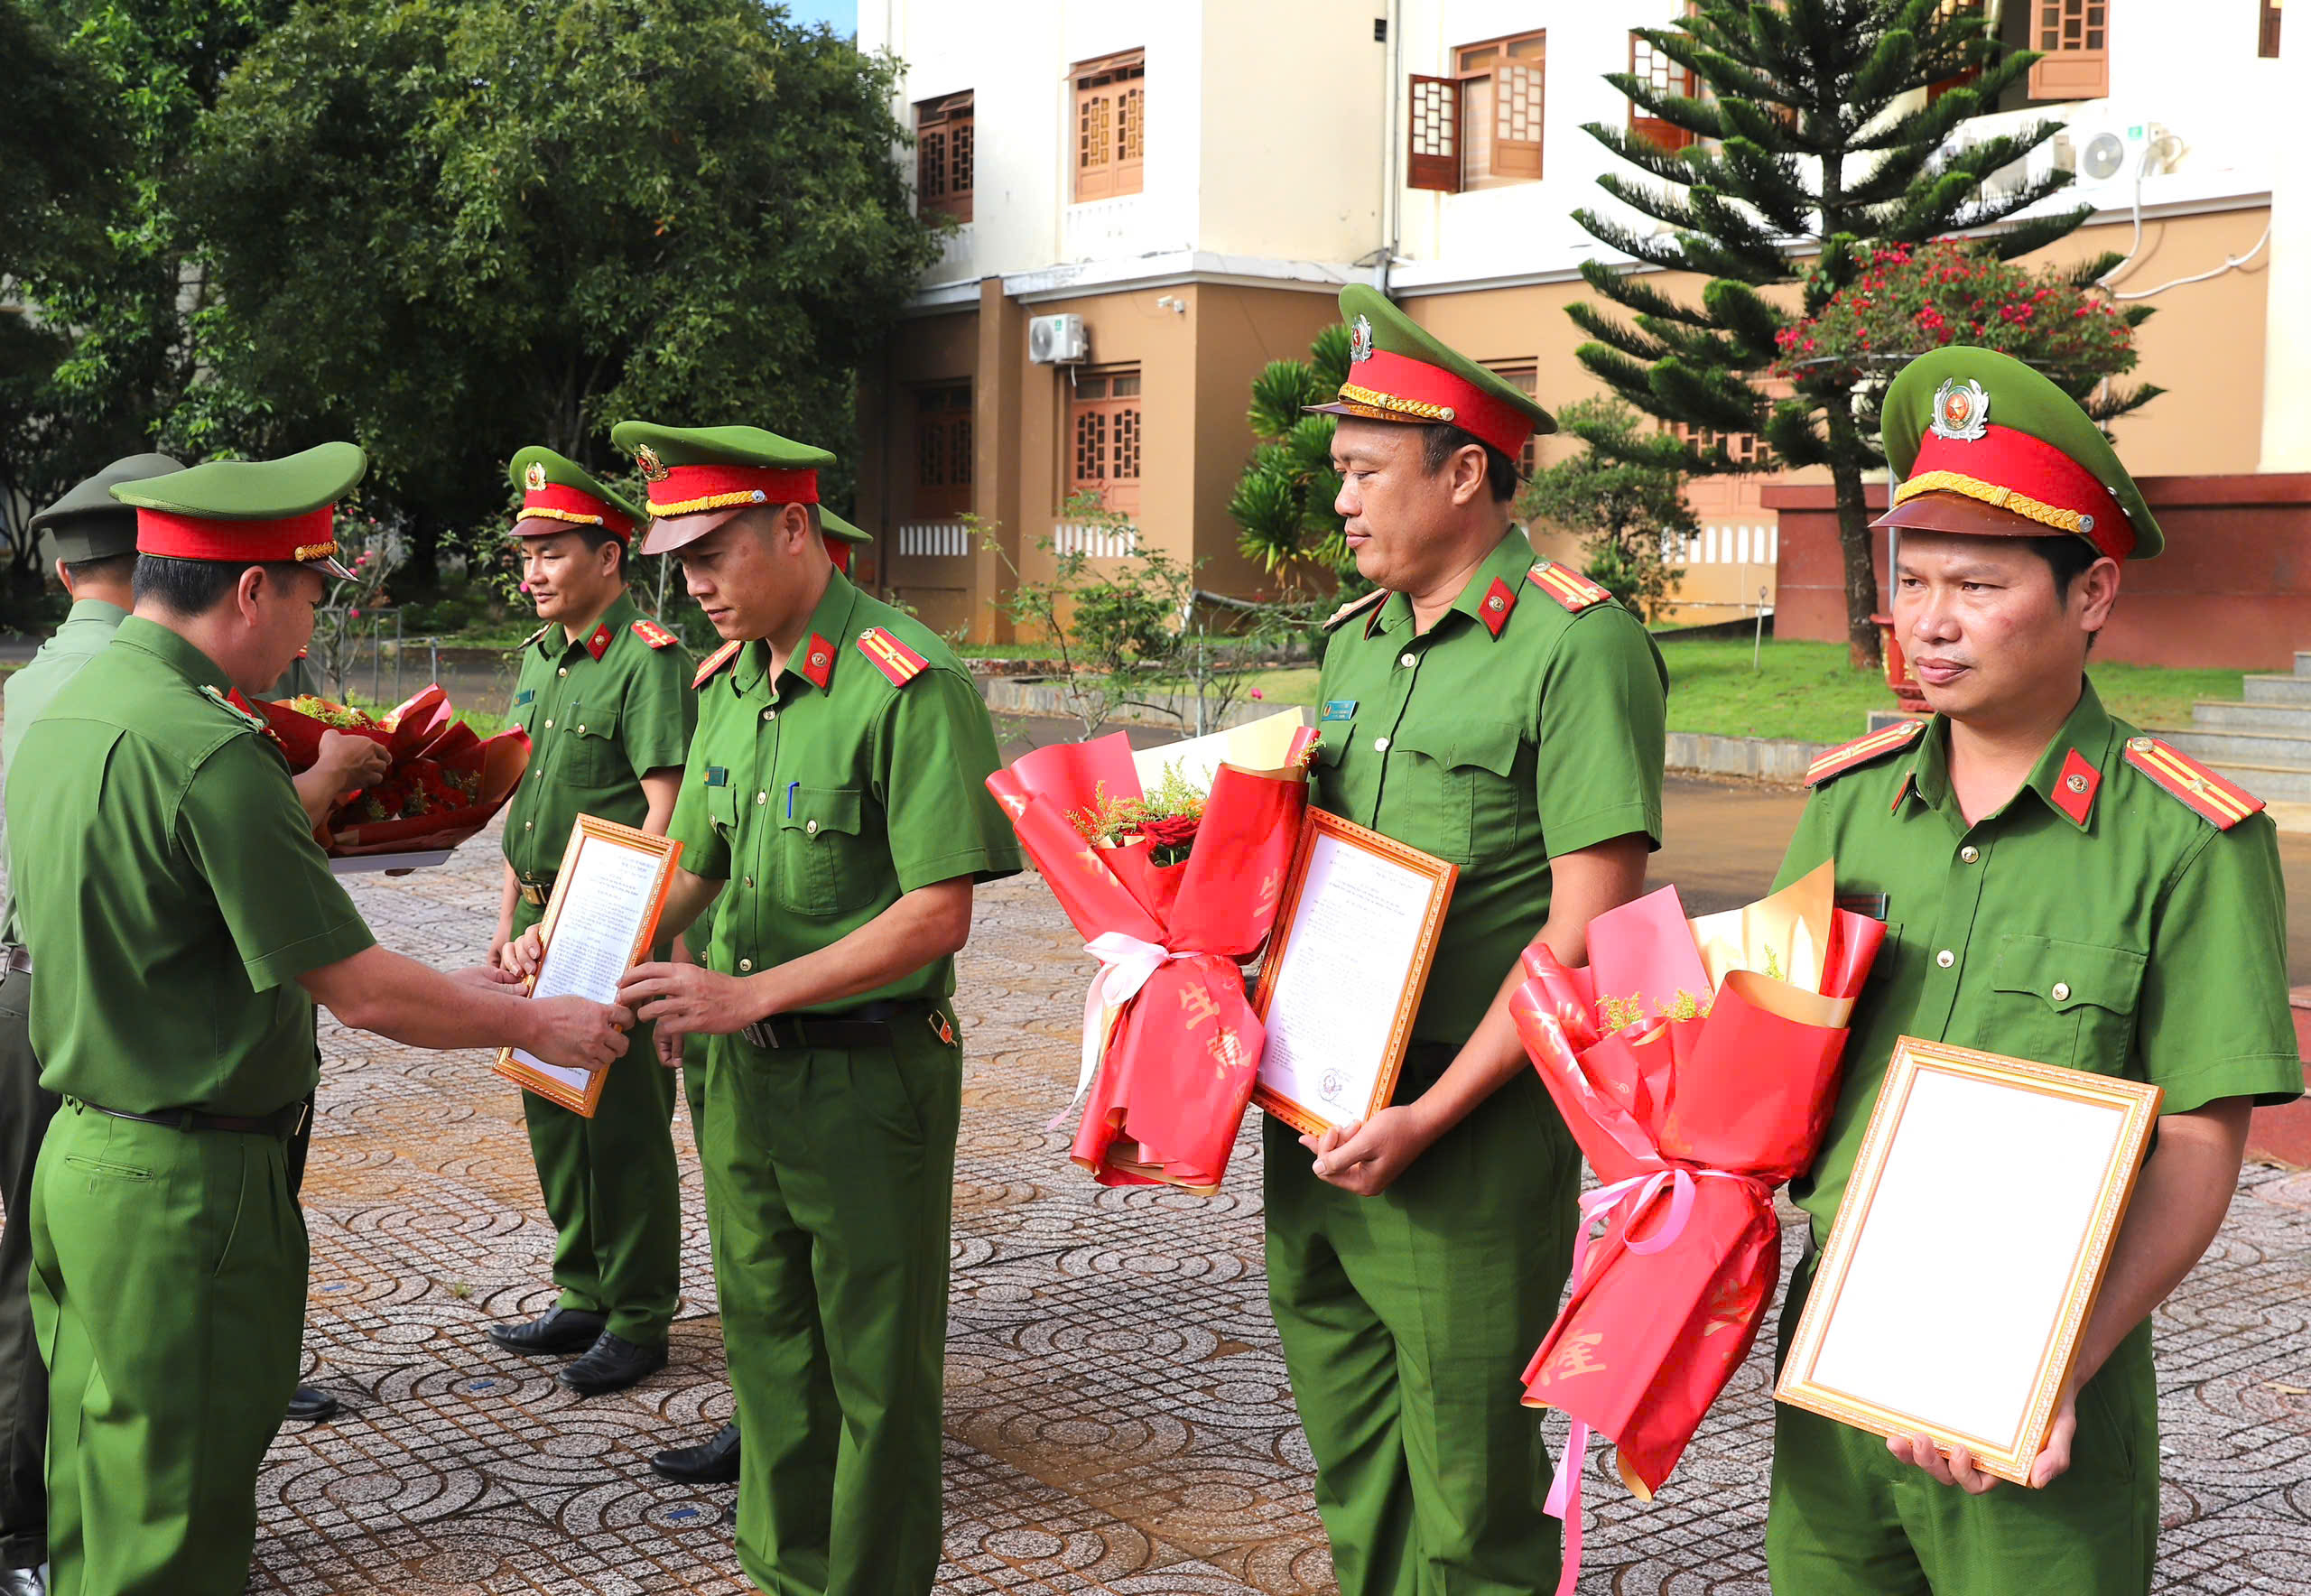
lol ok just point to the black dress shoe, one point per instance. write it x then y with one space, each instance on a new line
22 1582
714 1463
562 1330
311 1406
612 1364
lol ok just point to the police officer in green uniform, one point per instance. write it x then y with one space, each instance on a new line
837 786
2057 886
603 693
1506 715
183 922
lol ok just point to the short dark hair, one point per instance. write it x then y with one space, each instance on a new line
101 568
1441 440
2067 557
195 586
594 537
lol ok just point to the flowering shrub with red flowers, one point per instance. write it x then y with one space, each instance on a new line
1909 299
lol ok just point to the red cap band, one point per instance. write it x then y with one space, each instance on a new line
292 538
2013 470
691 490
1411 390
556 501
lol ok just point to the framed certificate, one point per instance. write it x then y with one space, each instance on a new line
1989 1189
1355 933
599 924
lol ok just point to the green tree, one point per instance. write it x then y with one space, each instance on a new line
448 227
1283 503
1623 496
1814 144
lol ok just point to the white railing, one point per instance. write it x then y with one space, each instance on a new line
934 537
1731 545
1102 542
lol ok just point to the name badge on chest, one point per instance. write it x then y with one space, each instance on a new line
524 696
1339 710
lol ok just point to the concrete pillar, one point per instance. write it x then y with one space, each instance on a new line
2287 324
997 389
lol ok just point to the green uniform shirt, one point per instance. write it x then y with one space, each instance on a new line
1496 752
82 636
2143 942
596 727
820 805
170 889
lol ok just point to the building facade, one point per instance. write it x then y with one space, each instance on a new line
1152 201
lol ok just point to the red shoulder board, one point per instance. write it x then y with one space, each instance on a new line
1567 586
1885 741
892 657
652 633
715 662
2226 803
1354 605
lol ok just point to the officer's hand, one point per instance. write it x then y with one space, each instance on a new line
670 1047
524 954
1957 1469
351 761
1366 1159
580 1034
2053 1457
491 977
688 999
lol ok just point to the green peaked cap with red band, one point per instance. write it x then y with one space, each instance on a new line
1981 444
249 512
701 477
1398 371
558 494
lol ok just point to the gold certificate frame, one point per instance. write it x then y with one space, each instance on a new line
608 895
1355 933
1968 1252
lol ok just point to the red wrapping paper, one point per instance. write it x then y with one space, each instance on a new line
423 727
1690 1124
1177 1060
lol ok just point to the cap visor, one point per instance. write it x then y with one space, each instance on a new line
1960 516
328 567
675 532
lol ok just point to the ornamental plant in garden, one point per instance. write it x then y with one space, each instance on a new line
1909 298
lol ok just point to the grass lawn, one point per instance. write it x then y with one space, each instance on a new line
1804 690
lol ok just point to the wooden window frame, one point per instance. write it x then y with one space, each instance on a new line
1525 375
1510 152
1668 76
1119 424
1947 11
2268 30
1749 449
943 440
944 156
1433 136
1110 122
2074 39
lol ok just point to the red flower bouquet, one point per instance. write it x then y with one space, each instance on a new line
1696 1063
1173 887
444 783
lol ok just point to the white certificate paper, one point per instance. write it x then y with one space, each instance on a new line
609 894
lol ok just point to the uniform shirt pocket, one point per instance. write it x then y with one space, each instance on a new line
1450 788
2065 1003
818 865
591 754
722 809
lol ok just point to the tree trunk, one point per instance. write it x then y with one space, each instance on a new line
1854 541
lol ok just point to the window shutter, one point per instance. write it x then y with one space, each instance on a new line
1667 77
2074 36
930 168
2267 40
1432 159
1095 133
1516 119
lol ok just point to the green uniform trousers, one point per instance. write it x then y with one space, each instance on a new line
830 1193
1850 1519
169 1293
1407 1319
24 1113
613 1192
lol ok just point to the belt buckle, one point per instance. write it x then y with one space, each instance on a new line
761 1034
534 896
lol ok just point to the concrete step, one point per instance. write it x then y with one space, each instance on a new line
2289 720
2278 690
2302 662
2225 748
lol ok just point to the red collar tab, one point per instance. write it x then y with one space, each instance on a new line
1494 609
652 633
715 662
2223 802
1399 388
1566 586
2012 470
292 538
598 643
2074 788
692 490
815 660
839 552
556 501
1885 741
892 657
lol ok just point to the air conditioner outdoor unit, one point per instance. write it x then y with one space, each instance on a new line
2106 149
1057 340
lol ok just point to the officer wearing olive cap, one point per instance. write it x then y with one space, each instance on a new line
2060 887
836 796
1504 714
183 922
604 695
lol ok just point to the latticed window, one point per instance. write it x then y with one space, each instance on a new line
1110 126
2074 36
1481 125
943 449
1945 13
942 155
1743 448
1432 160
1525 376
1664 77
1103 438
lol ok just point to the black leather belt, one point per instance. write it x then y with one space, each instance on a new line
536 894
283 1123
20 960
868 1026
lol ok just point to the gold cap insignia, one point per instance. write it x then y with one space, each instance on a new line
1360 340
653 469
1961 411
533 477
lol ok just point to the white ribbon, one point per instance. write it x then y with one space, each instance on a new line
1125 964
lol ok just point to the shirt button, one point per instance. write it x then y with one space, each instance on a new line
2062 992
810 828
1406 659
1379 745
770 714
549 726
526 824
563 671
1970 853
1946 959
749 881
761 798
744 965
581 729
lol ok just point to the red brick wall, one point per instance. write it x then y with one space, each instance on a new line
2233 588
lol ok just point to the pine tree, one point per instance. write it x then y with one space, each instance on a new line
1283 502
1813 145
